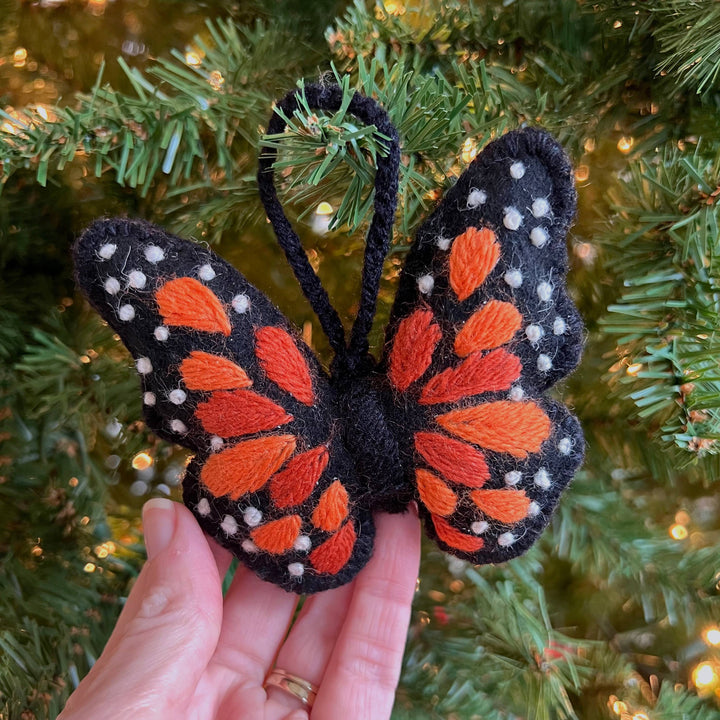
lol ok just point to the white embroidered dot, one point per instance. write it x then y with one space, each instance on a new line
544 363
540 207
216 443
426 283
565 446
533 509
178 426
161 333
513 477
516 393
137 279
559 326
476 198
206 273
252 516
107 250
296 569
479 527
506 539
512 219
203 507
112 286
149 398
249 546
229 525
544 291
177 397
513 278
143 365
154 254
534 333
303 543
542 479
443 243
539 237
241 303
517 170
126 312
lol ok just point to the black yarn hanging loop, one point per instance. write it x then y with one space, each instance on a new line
352 356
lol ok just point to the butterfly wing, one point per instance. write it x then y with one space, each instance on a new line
481 327
223 374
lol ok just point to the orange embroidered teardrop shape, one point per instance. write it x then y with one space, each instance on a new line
454 460
332 508
473 256
507 506
247 466
479 373
205 371
293 485
437 497
413 347
454 538
186 302
283 363
333 555
493 325
278 536
517 428
240 412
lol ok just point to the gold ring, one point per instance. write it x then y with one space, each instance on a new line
303 690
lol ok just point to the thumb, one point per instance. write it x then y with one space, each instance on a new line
167 631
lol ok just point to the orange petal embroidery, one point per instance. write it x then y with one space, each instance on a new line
473 256
293 485
454 538
247 466
332 508
186 302
283 363
507 506
205 371
455 460
332 556
497 370
437 497
517 428
278 536
240 412
493 325
413 347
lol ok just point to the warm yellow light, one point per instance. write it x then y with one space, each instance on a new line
625 144
101 551
589 145
9 128
704 675
216 79
634 369
712 635
97 7
192 58
19 57
142 461
678 532
619 707
73 482
618 24
582 173
640 716
324 208
395 8
89 567
469 150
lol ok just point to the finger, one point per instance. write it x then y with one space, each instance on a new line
168 630
364 668
256 618
223 557
309 645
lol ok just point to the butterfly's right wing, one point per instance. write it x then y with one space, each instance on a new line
224 374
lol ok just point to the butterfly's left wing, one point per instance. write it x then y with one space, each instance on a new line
482 326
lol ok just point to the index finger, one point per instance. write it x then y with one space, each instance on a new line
363 672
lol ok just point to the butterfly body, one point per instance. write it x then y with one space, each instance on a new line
291 461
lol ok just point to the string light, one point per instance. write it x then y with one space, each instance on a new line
678 531
193 58
634 369
704 675
142 461
619 707
469 150
89 567
625 144
19 57
711 635
582 173
324 208
640 716
216 79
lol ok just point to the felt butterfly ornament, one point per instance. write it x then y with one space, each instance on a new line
291 460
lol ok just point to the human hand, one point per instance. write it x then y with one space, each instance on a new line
181 650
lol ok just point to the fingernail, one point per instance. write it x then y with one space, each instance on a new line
158 525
